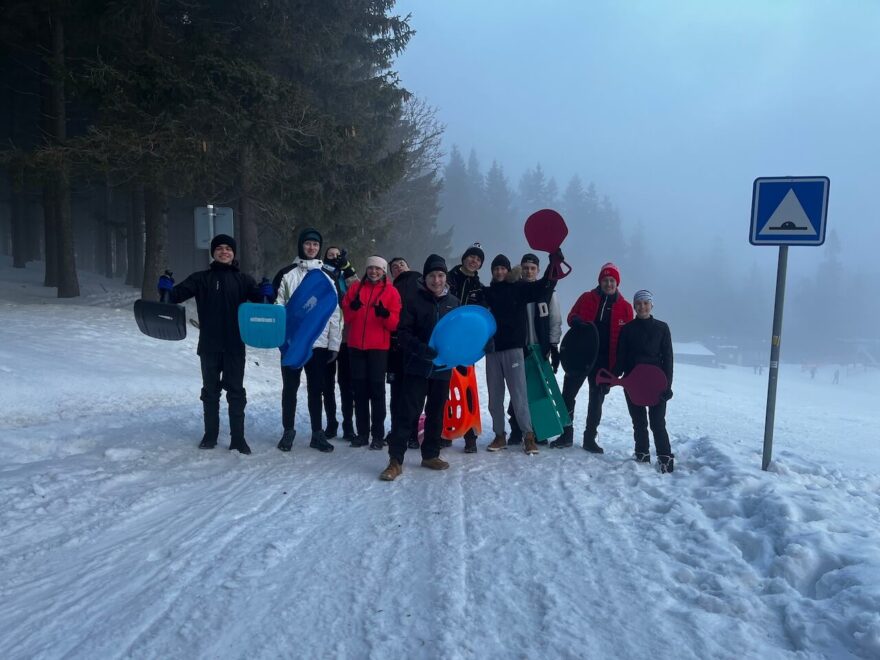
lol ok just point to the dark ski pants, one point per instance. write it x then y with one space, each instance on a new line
430 395
655 415
315 369
397 398
223 371
339 370
368 378
571 385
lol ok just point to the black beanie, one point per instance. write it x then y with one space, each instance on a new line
434 262
475 250
223 239
307 234
501 260
529 258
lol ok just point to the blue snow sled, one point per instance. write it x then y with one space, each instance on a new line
461 336
308 310
262 325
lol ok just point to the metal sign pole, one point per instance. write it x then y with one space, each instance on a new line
775 342
210 230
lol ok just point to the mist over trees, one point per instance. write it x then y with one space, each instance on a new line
120 116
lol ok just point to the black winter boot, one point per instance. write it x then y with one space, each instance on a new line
642 457
515 437
208 442
286 442
348 431
667 463
591 446
565 440
377 444
360 441
240 446
320 443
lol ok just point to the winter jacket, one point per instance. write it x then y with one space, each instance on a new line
407 284
610 314
285 283
366 330
467 289
544 322
644 341
421 312
218 292
507 301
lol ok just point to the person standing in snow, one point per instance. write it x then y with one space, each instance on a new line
406 282
645 340
424 387
544 328
218 292
324 350
465 286
371 309
605 307
343 274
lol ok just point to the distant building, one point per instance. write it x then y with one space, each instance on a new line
694 353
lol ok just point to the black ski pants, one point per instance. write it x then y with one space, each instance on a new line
339 370
430 395
223 371
368 378
315 369
641 417
571 385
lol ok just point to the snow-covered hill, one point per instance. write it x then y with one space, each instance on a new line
118 538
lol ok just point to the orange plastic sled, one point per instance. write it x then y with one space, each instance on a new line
462 411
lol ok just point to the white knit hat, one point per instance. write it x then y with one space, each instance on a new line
377 261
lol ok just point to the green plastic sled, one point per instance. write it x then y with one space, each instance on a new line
548 411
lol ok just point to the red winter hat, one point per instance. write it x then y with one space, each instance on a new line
609 270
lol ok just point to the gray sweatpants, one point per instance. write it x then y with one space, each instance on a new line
507 366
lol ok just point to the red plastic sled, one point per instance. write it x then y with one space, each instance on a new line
545 231
643 385
462 412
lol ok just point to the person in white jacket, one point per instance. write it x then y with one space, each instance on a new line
324 350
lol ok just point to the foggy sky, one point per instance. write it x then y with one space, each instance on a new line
671 108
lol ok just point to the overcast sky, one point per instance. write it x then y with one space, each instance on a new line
671 108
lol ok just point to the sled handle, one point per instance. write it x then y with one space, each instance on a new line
605 377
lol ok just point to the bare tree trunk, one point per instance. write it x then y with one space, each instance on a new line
136 238
18 227
106 231
251 257
50 233
156 224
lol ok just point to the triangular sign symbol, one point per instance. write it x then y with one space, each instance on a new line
788 219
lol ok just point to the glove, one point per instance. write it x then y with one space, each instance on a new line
576 321
605 389
554 357
266 289
331 356
557 256
427 352
381 311
166 282
665 396
356 304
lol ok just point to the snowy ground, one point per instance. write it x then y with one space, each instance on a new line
119 539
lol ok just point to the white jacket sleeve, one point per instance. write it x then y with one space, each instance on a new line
334 330
555 320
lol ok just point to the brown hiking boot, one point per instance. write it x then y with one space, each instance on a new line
499 443
393 471
530 446
435 463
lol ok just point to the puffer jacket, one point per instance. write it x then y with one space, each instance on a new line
366 330
285 283
610 314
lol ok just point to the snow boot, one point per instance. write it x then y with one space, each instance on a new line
208 442
591 446
377 444
434 463
530 447
393 471
286 442
565 440
331 430
320 443
642 457
470 445
240 446
666 462
499 443
360 441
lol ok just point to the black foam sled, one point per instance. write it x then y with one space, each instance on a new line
579 348
160 320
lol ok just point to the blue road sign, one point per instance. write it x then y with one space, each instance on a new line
789 210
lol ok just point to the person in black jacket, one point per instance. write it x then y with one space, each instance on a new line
645 340
218 292
406 282
424 387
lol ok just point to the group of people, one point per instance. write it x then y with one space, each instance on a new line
380 333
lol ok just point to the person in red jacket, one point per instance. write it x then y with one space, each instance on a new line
605 307
371 309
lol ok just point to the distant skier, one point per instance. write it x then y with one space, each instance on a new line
424 387
324 350
218 292
645 340
836 379
606 307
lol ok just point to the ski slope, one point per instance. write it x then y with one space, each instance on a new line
118 538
